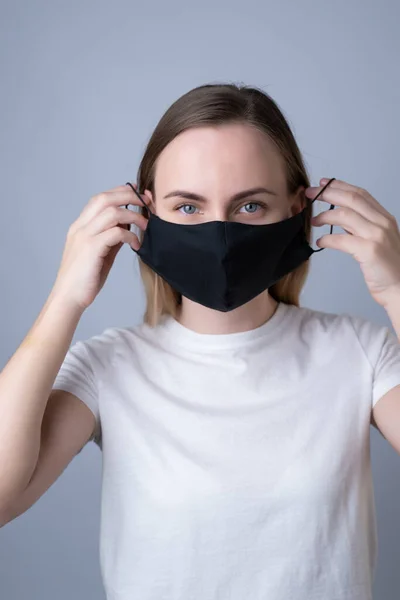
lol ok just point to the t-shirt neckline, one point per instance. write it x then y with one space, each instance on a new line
174 332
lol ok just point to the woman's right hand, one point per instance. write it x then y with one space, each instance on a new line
93 241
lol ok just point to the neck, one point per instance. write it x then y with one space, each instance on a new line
249 316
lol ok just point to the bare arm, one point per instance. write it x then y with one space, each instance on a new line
41 430
25 386
67 426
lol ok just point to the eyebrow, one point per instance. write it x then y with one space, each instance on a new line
235 197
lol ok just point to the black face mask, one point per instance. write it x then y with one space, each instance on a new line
224 264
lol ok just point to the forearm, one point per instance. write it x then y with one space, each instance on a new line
392 308
25 385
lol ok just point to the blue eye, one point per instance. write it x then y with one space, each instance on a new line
253 208
252 204
185 205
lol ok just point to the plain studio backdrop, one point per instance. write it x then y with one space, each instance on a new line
82 86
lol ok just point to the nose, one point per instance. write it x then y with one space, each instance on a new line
219 214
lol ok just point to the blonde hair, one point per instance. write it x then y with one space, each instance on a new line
217 104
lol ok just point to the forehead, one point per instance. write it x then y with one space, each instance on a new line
237 154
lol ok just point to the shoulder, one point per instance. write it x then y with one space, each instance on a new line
102 348
343 330
317 322
118 341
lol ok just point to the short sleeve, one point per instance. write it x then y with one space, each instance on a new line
382 349
387 367
76 375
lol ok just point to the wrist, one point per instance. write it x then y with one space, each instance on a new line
60 303
392 308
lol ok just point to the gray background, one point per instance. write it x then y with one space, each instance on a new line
82 86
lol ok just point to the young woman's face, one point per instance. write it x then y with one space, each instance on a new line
201 171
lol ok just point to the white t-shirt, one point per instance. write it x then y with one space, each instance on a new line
237 466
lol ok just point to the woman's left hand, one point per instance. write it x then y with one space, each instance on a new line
374 238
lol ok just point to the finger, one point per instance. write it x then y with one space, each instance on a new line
117 188
350 244
116 235
353 200
97 204
340 185
114 215
350 220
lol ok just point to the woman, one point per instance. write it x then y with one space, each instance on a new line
234 423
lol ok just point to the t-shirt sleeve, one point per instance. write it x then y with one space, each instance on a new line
382 349
77 376
387 367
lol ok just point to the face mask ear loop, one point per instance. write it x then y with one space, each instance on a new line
140 198
330 208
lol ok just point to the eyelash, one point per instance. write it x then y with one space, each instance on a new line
258 203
